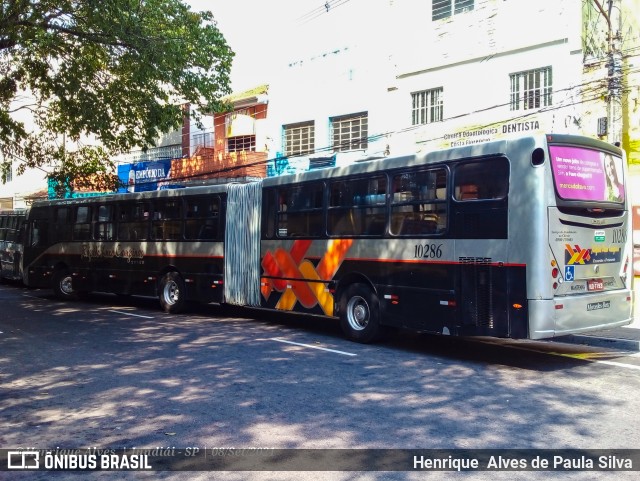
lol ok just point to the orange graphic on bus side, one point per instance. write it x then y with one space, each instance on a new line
298 279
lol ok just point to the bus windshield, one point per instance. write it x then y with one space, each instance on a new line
586 174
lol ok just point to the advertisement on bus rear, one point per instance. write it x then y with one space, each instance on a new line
586 174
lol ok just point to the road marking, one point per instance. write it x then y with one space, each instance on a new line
586 357
130 314
313 347
618 364
582 356
33 297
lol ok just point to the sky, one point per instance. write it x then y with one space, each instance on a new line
268 35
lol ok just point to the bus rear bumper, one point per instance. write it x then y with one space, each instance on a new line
584 313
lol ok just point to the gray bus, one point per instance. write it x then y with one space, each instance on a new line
528 237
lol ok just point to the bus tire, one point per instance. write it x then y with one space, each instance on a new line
172 293
360 314
62 285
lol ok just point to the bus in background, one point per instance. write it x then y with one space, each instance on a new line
11 244
524 238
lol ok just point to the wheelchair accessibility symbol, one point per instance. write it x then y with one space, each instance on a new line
569 273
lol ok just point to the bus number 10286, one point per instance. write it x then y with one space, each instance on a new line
428 251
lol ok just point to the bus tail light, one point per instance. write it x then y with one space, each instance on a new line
555 274
395 300
448 303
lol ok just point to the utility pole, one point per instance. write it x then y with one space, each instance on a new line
614 69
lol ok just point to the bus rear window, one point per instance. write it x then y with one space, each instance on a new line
585 174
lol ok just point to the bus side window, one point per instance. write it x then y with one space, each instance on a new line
167 219
39 233
358 206
480 189
134 221
482 179
82 225
268 213
419 206
62 227
202 218
300 210
103 224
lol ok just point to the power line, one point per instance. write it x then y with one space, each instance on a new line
317 12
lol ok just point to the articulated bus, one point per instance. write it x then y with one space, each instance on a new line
10 244
523 238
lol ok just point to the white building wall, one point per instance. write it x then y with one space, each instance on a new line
338 66
471 55
337 82
29 183
374 65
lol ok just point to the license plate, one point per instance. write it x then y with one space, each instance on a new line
595 285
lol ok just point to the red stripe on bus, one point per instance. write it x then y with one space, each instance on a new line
429 261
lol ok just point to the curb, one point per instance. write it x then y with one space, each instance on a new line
611 343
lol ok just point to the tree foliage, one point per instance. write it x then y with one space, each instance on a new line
109 76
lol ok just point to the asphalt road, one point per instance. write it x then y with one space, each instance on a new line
110 372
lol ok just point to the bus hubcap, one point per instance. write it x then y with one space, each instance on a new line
358 313
66 285
171 292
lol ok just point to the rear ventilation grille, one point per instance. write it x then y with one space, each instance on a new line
477 291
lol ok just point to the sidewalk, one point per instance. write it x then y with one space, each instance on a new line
626 338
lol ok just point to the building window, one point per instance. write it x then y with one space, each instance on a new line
243 142
444 8
531 89
350 132
203 140
299 139
7 173
427 106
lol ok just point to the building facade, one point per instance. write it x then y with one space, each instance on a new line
432 74
238 147
375 78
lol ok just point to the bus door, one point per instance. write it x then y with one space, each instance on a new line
480 228
37 240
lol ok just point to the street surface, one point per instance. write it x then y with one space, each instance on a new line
118 372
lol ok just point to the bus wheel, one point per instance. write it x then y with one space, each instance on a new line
172 292
63 285
359 314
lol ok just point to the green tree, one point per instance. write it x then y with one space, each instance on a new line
114 71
